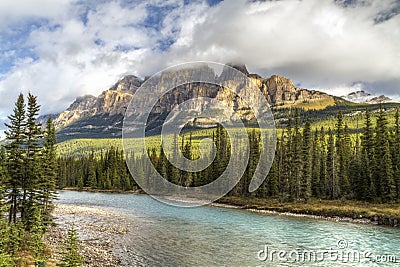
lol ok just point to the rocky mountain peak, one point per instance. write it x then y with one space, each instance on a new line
281 80
128 83
364 97
82 103
202 72
239 67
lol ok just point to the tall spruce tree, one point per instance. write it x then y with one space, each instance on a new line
92 177
367 183
323 179
388 184
187 177
331 167
356 172
316 168
297 157
282 162
287 161
48 181
15 147
33 170
172 171
396 152
380 165
347 155
306 178
342 152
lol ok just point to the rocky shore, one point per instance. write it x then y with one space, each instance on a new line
99 230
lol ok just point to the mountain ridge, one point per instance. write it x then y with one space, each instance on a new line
278 91
102 116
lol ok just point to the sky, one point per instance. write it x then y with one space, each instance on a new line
59 50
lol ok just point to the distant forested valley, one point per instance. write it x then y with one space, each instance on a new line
323 163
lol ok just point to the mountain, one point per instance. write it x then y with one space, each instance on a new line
367 98
102 116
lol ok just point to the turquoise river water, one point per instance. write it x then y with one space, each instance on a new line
163 235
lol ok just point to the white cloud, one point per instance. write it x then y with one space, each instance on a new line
70 63
318 44
15 11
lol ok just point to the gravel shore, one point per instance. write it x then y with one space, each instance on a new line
291 214
99 230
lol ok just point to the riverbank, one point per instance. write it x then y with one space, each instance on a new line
95 190
334 210
98 228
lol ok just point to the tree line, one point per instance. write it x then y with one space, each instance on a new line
332 164
108 171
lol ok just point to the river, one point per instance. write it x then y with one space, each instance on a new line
163 235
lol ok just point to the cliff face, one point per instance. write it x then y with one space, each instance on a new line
110 102
279 91
82 107
115 100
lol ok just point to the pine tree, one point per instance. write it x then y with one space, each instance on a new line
388 184
297 157
273 180
12 241
62 173
315 168
286 162
281 159
381 138
36 234
15 136
33 170
356 172
347 154
72 257
172 171
322 164
396 153
305 186
331 167
187 178
48 181
342 152
367 183
254 155
92 178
